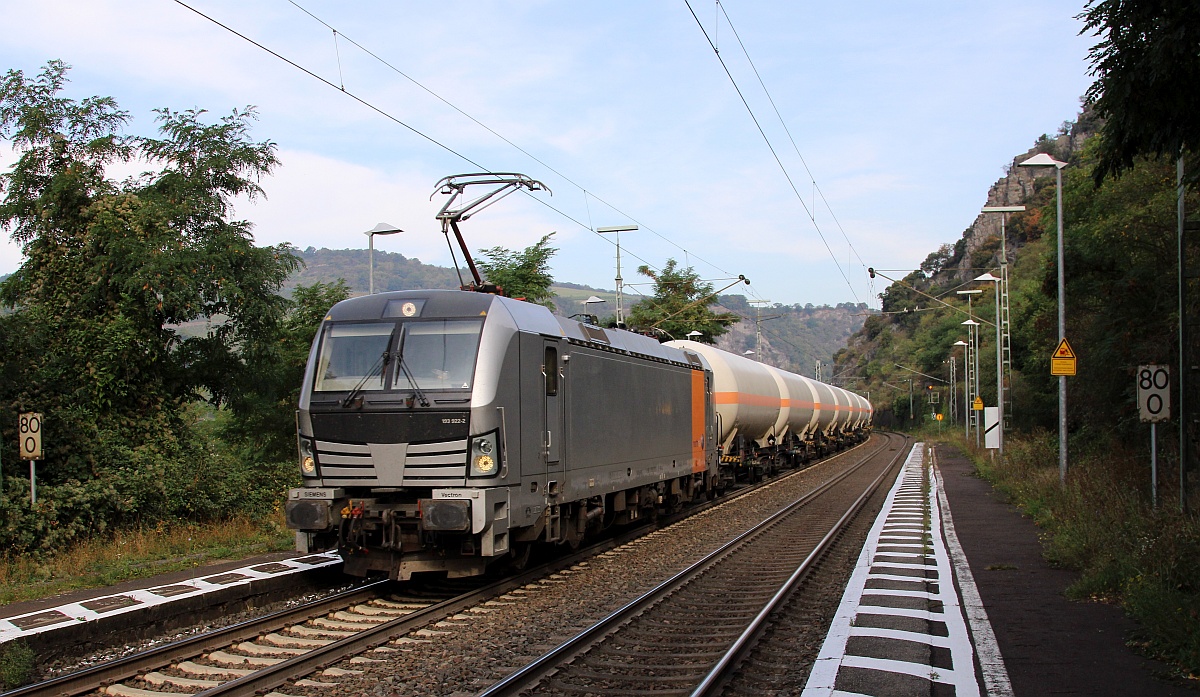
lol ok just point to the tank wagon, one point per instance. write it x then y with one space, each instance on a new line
448 430
768 418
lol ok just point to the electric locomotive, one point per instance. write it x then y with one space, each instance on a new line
446 430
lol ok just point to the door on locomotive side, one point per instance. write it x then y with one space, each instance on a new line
552 421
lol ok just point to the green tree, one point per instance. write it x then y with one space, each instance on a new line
681 303
263 402
112 269
524 274
1147 65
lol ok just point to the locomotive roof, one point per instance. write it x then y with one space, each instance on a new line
528 317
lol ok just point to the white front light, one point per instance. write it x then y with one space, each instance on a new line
484 464
485 458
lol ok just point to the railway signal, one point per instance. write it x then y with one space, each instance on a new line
29 435
1154 405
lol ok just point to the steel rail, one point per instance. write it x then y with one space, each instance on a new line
124 668
520 680
725 666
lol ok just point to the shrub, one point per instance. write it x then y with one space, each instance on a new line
1103 525
16 664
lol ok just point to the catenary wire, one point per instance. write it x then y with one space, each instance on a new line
392 118
771 147
439 144
489 129
790 138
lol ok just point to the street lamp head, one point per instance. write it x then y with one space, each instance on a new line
693 334
987 277
383 229
1042 160
971 322
970 292
617 228
960 342
593 299
748 353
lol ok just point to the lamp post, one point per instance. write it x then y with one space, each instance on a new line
1005 322
966 398
973 373
617 230
999 367
380 229
972 365
592 300
1044 160
952 403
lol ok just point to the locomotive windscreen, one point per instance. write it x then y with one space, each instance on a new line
439 354
350 353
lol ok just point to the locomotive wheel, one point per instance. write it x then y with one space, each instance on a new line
519 555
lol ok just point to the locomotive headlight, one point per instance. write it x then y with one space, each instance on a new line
483 465
485 458
308 460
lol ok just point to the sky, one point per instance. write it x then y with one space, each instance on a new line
896 118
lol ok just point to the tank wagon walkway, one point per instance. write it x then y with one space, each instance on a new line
951 596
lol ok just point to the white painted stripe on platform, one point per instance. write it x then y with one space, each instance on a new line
926 595
918 637
927 615
901 565
823 677
898 577
919 670
80 614
991 663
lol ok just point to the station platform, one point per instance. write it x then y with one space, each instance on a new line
951 596
161 602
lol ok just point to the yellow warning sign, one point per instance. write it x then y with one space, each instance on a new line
1063 360
977 405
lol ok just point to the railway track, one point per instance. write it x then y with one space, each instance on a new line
686 635
358 628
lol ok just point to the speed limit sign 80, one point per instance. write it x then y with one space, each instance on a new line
29 433
1154 392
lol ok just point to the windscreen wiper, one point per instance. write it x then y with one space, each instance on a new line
412 382
379 365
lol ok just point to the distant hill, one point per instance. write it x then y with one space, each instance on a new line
794 338
392 271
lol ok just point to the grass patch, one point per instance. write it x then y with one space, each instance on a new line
1102 525
16 665
138 553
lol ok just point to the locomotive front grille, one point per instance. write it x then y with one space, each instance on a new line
393 464
436 464
345 461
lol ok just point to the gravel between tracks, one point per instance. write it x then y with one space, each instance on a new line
478 647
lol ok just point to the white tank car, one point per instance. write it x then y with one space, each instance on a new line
841 417
800 405
825 406
746 394
864 411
